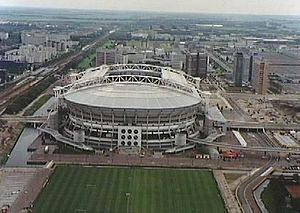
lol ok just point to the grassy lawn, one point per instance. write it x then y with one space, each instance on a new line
88 62
91 189
37 104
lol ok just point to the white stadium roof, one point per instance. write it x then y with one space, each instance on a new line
132 95
133 86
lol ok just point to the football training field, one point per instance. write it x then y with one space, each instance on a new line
134 190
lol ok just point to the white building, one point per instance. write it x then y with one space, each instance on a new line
139 35
37 38
31 54
163 36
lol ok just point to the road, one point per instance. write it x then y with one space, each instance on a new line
280 97
237 108
24 119
242 148
232 124
219 62
244 192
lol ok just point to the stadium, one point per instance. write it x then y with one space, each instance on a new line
130 106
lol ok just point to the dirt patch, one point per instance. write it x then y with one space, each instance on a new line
231 177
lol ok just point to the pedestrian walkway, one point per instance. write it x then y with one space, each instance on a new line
228 197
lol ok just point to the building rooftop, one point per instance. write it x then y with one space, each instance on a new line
216 115
132 96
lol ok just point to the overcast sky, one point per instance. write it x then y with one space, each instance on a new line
275 7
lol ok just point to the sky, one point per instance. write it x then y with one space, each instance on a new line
266 7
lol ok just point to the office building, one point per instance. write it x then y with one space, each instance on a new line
238 69
105 56
261 72
196 64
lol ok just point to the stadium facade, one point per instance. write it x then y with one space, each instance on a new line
130 106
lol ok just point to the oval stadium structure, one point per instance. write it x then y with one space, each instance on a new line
130 106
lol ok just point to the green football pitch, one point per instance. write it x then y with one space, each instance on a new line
134 190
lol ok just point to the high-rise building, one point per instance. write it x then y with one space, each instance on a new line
105 56
177 60
261 82
196 64
238 69
251 64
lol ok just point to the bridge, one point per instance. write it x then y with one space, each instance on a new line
219 62
24 119
261 126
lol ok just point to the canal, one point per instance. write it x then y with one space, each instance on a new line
19 155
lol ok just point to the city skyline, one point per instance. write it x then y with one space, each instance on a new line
267 7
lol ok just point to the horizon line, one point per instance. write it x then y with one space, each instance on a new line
148 11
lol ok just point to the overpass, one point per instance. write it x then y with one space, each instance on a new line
242 148
219 62
24 119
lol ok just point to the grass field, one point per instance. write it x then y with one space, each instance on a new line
89 61
37 104
91 189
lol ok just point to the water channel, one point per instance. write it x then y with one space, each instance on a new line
19 155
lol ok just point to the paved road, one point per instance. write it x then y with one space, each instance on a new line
133 160
281 97
244 192
219 62
261 125
25 119
247 148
